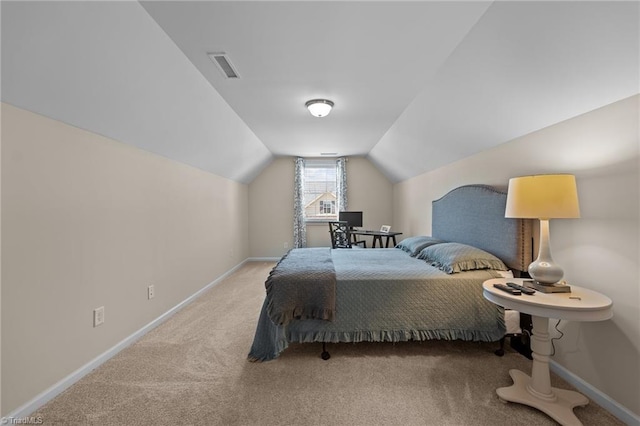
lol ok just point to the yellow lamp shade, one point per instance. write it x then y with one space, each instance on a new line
543 197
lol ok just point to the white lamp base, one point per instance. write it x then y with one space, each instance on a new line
544 270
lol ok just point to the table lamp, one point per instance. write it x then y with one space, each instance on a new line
544 197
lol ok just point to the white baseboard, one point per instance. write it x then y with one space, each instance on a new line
596 395
31 406
263 259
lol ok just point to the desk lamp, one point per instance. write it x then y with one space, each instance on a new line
544 197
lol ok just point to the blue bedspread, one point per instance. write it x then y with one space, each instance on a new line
302 286
386 295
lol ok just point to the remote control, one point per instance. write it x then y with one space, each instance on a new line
525 290
513 291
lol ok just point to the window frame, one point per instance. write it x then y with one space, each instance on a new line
311 164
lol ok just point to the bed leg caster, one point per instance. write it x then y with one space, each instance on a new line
325 355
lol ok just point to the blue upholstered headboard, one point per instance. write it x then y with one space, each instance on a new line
474 215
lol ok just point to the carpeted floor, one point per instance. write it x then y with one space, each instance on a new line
192 370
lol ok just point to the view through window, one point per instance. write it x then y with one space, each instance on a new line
320 203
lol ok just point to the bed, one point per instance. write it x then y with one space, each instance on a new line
428 287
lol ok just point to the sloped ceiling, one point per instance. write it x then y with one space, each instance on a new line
417 85
524 66
108 68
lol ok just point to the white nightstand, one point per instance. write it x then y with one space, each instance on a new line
535 390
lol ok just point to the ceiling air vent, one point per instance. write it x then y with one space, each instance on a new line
224 64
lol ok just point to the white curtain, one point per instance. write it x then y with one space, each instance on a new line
341 184
299 226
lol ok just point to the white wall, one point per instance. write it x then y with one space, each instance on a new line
89 222
271 205
598 251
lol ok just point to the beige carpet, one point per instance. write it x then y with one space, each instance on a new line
192 370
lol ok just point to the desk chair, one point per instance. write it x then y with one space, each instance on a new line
340 235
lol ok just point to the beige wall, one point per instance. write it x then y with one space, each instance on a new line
89 222
370 192
598 251
271 205
271 210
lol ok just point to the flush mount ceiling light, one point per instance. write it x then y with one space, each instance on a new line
319 107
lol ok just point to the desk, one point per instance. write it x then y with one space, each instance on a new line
377 236
535 390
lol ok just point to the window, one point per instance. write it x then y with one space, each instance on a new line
327 207
320 202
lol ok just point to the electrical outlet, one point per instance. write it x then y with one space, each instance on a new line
151 292
98 316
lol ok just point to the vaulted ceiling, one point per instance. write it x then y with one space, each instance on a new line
416 85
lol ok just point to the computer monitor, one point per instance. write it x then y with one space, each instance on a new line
354 218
